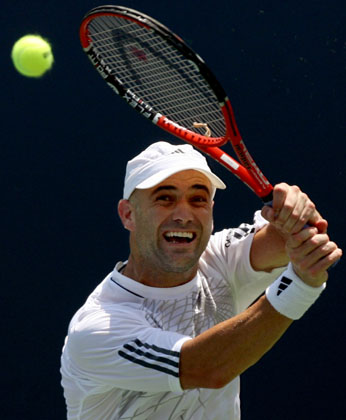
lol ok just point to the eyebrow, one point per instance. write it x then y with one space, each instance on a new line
173 188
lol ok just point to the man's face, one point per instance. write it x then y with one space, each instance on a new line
172 222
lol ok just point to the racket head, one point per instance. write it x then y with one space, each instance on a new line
163 79
155 71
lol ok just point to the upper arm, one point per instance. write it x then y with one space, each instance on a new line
125 351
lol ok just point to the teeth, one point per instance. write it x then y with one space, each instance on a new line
179 234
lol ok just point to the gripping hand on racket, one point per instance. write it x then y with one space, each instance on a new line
311 254
291 212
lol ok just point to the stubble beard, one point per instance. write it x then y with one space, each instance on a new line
176 261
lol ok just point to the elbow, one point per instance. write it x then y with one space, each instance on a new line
218 383
221 378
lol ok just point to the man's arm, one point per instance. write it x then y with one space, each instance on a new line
217 356
291 211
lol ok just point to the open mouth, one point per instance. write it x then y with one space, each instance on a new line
179 237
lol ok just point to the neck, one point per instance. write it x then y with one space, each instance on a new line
154 277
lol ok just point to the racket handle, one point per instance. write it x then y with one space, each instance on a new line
268 199
270 204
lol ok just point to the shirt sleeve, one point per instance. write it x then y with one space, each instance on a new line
228 253
118 348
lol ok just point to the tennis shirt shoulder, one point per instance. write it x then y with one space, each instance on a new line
112 331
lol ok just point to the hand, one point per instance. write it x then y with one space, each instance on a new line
311 254
292 210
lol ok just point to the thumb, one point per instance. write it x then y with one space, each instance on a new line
322 225
317 220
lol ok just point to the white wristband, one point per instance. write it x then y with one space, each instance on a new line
290 296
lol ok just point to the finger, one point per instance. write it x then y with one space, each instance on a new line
301 218
300 210
296 240
293 210
309 251
325 262
293 203
322 225
312 267
280 192
317 254
315 219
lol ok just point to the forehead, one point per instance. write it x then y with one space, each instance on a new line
186 179
181 182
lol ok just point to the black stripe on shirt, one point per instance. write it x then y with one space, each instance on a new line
148 365
151 356
134 348
156 348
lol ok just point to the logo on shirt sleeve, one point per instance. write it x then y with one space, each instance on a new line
239 233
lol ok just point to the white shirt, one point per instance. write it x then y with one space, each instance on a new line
121 356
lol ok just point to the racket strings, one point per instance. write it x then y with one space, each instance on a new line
157 73
168 53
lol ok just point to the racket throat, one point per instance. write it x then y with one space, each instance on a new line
189 136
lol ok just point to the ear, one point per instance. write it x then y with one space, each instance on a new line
126 214
212 220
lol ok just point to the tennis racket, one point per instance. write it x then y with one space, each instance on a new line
163 79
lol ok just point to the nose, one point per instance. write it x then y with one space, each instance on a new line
182 212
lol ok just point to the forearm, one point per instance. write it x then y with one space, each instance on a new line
268 250
220 354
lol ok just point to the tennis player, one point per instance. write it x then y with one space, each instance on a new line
168 332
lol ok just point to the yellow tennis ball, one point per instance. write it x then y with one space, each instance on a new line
32 56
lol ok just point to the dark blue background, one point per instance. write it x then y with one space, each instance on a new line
64 145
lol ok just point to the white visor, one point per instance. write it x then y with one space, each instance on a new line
162 160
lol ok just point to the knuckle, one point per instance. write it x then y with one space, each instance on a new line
325 237
332 246
295 216
281 185
311 206
289 207
320 239
315 241
280 188
305 197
